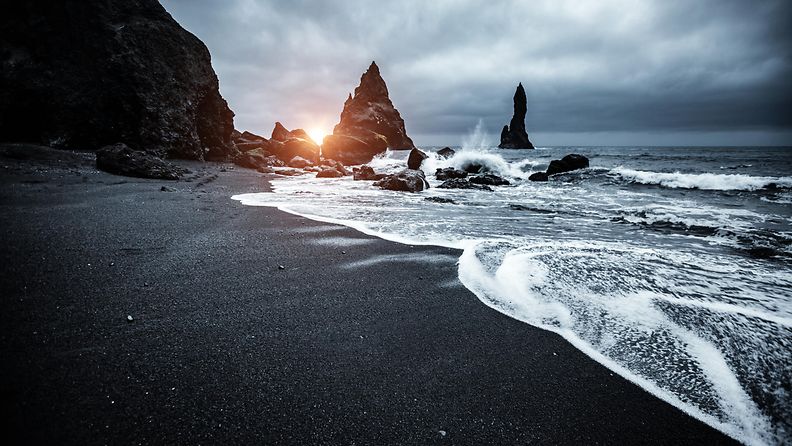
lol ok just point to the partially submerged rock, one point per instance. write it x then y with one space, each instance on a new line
449 172
299 162
416 158
446 152
329 172
408 180
119 159
567 164
514 136
489 180
366 115
539 176
461 183
366 173
440 200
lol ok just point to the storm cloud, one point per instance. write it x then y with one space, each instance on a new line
608 72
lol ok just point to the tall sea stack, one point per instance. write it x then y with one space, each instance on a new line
84 74
369 123
514 136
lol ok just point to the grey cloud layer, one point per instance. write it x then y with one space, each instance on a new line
610 66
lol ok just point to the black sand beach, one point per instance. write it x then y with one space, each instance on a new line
355 341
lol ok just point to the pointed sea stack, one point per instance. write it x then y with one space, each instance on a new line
514 136
369 123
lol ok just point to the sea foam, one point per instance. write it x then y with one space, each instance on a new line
705 181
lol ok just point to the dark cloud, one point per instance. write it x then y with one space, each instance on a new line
716 69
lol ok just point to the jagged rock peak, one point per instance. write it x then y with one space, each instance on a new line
372 86
514 136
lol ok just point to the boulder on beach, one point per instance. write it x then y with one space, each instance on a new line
489 180
408 180
252 159
337 165
119 159
514 136
90 73
446 152
366 115
462 183
364 173
567 164
449 172
329 172
415 159
299 162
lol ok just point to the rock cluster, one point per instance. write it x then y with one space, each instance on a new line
90 73
369 123
119 159
514 136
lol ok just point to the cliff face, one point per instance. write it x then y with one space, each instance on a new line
367 120
88 73
514 136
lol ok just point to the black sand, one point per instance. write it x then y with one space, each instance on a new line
355 341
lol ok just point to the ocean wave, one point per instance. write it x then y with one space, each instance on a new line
704 181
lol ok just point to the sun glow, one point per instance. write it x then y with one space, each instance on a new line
317 134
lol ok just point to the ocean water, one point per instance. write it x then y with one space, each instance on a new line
672 266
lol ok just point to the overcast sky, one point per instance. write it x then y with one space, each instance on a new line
694 72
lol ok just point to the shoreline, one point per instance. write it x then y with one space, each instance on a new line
356 339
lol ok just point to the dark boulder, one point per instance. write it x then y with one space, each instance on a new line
89 73
461 183
446 152
245 146
415 159
279 133
408 180
489 180
252 137
329 172
119 159
473 168
567 164
369 111
538 176
448 173
366 173
514 135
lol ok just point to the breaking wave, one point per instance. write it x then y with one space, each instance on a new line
704 181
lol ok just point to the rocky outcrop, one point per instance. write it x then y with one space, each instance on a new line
287 144
119 159
408 180
514 135
95 72
566 164
415 159
367 116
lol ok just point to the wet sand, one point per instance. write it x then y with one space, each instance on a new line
354 341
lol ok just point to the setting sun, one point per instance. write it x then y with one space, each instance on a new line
317 134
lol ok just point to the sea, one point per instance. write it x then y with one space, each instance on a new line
671 266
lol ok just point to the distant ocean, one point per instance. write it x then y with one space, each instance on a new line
672 266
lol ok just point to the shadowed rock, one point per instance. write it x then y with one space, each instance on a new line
119 159
449 173
567 164
489 180
462 183
415 159
446 152
514 135
90 73
408 180
366 173
367 115
287 144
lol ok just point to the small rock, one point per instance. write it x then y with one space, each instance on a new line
281 267
442 433
130 318
167 189
538 176
446 152
415 159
